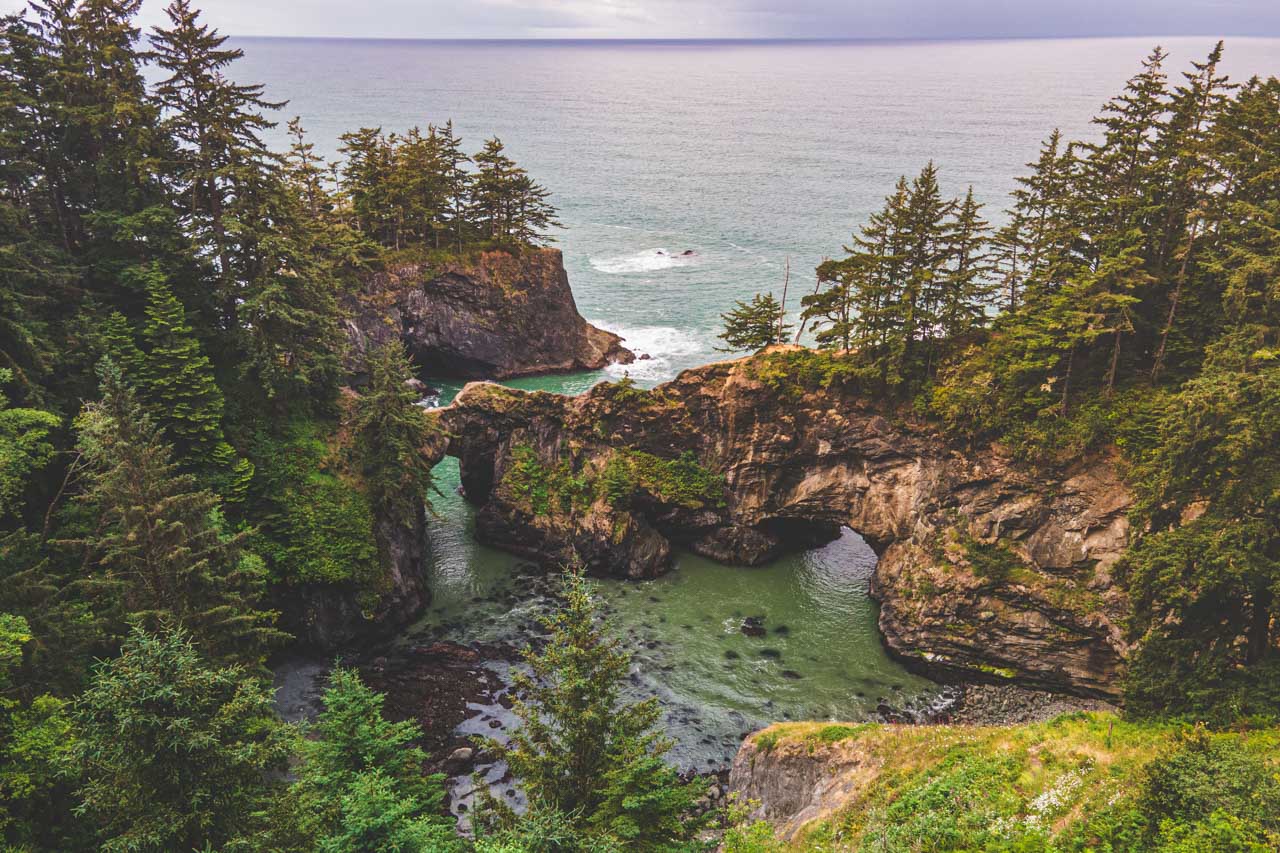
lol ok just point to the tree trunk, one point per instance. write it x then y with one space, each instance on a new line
1173 304
1258 639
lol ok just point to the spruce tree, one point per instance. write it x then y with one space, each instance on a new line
176 754
967 284
360 782
159 552
178 383
755 325
392 436
217 125
1187 162
581 752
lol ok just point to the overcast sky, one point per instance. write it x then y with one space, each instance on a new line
730 18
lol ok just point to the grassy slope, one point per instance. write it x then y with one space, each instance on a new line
1060 785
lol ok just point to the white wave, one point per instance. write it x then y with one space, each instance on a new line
648 260
660 343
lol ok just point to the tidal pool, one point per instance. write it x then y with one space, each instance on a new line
816 653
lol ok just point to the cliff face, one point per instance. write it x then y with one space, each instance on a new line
986 570
494 315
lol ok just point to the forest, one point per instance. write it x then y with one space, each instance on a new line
179 449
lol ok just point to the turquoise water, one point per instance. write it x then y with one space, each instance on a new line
820 656
752 155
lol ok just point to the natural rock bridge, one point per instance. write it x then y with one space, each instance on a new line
986 570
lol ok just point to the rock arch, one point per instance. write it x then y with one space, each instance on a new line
986 570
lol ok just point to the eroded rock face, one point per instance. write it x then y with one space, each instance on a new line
797 783
986 570
495 315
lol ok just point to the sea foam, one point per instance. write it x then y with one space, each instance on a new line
647 260
660 343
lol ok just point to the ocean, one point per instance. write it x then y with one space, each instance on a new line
756 156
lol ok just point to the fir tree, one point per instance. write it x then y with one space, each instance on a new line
158 552
583 754
755 325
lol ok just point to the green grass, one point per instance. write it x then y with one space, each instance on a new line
1082 782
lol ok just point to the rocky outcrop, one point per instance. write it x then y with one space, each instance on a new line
329 616
987 570
795 782
493 314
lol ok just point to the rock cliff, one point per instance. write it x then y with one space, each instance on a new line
493 314
986 570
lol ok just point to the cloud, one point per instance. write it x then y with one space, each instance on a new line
730 18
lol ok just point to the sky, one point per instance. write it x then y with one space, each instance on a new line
730 18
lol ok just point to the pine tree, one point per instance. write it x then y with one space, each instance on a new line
159 552
583 754
755 325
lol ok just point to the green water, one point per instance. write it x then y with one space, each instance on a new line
820 657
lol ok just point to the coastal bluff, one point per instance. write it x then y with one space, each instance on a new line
494 314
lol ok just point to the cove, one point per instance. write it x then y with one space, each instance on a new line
816 654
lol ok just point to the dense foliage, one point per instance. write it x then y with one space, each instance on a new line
178 452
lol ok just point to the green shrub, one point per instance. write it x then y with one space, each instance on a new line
313 526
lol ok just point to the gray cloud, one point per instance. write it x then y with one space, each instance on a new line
732 18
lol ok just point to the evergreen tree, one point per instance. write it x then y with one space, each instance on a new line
217 125
159 552
457 182
966 285
360 783
392 436
755 325
178 378
176 754
35 739
583 754
25 447
1187 162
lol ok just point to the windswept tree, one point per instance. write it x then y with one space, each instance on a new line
754 325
